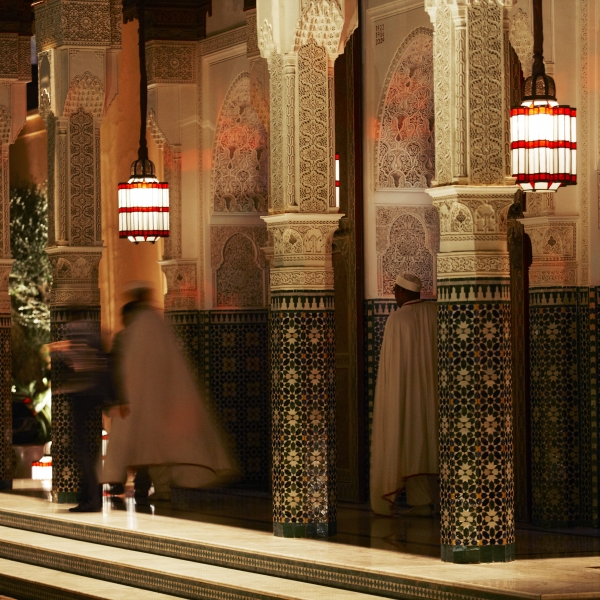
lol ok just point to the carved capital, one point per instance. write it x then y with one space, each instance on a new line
302 246
473 218
74 276
15 51
182 284
171 62
471 265
76 23
329 23
554 250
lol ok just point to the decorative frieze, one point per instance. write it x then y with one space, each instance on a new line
215 43
472 265
15 51
171 62
472 218
75 23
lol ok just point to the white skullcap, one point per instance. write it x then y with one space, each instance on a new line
408 281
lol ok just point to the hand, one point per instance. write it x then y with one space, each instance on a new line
124 411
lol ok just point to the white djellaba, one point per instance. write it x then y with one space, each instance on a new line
170 423
405 437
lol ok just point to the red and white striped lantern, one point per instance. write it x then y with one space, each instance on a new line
544 145
337 180
143 209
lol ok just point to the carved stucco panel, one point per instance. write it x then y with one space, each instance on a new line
276 133
171 62
405 155
14 57
521 39
313 128
76 23
473 217
238 266
322 22
240 156
407 242
486 106
86 91
5 124
442 50
553 242
82 178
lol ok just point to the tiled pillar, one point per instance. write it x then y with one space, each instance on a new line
476 454
77 57
561 403
301 46
13 111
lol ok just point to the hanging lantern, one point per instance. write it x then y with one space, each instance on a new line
337 180
143 200
543 134
143 205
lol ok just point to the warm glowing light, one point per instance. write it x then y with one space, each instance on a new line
143 209
544 145
337 180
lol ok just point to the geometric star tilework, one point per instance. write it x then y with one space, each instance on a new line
66 475
476 451
239 384
303 413
6 450
563 407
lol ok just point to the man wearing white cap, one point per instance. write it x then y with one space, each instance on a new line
405 439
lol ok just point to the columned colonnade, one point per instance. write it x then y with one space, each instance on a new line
78 46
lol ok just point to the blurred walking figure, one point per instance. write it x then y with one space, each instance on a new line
167 426
85 379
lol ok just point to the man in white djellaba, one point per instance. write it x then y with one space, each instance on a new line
405 438
166 425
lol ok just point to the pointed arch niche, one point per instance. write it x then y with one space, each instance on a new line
240 154
405 154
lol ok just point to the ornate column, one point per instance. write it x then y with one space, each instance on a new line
476 456
559 314
15 72
77 56
301 47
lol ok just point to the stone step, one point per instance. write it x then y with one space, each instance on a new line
193 539
177 577
30 582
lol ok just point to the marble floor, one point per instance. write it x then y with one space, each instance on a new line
560 564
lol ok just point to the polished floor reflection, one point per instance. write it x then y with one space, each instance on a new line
357 525
236 527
